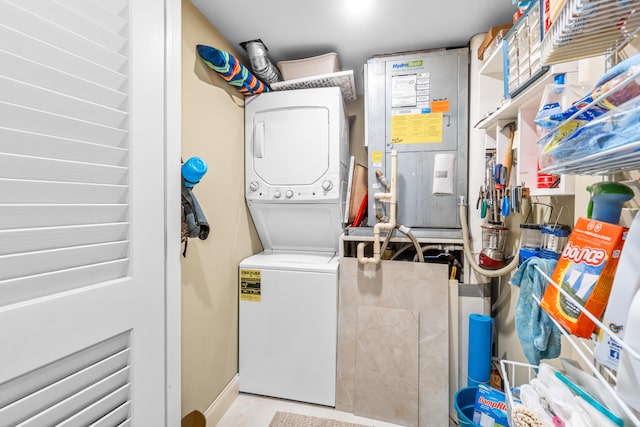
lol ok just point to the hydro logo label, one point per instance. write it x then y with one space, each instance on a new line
407 64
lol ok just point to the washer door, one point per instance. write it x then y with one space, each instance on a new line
291 145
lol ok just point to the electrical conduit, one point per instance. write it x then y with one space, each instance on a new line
392 199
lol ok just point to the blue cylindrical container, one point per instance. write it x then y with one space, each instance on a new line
193 170
479 350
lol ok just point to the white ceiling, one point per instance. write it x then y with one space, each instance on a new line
355 29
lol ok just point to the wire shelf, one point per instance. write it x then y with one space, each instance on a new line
567 156
618 159
510 372
588 28
586 354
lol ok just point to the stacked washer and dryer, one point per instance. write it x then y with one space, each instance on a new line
296 164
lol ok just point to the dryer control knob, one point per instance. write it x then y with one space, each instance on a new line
289 194
277 194
254 186
327 185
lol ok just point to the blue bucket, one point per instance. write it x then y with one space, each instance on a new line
464 402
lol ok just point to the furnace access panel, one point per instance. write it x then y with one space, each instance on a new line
417 104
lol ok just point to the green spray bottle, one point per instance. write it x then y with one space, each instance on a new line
607 199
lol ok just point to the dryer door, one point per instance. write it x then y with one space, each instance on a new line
291 145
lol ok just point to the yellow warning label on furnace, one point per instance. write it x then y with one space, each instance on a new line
250 285
416 128
376 157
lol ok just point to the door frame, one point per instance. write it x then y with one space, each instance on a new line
173 109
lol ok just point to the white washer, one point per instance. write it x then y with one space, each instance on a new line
288 331
297 154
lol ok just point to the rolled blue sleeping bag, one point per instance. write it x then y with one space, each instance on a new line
479 354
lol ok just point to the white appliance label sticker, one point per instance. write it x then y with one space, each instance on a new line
403 90
423 84
250 285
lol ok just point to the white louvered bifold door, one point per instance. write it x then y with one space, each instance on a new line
82 231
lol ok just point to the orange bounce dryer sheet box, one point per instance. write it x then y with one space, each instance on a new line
585 270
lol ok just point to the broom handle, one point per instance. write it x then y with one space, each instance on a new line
508 156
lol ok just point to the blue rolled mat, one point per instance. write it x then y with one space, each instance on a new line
231 69
480 343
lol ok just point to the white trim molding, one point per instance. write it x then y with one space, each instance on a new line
223 402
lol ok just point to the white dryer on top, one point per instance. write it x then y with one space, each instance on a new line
296 163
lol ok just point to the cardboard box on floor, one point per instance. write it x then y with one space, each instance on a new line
194 419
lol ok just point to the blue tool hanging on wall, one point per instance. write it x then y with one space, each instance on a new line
194 222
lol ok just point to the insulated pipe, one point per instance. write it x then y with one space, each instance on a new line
469 254
413 239
407 232
392 199
422 249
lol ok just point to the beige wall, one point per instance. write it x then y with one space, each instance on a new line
213 129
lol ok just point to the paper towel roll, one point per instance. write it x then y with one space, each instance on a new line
625 284
480 344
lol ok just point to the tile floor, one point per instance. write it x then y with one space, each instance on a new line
257 411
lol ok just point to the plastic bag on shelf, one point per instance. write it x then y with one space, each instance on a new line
621 84
556 98
614 129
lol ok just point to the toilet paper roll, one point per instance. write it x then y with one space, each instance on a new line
480 344
625 285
